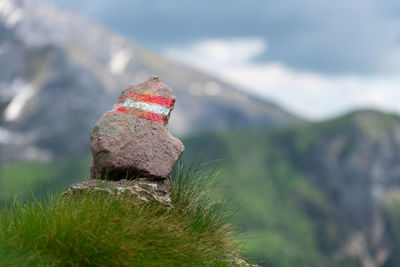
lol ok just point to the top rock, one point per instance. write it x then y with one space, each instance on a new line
132 139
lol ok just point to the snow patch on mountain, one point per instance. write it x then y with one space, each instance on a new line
14 109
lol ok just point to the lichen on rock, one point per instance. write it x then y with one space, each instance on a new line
143 188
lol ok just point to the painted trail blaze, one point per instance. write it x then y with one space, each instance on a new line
149 107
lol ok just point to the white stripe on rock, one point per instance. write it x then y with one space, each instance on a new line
154 108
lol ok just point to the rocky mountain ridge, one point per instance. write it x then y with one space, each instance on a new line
61 72
355 161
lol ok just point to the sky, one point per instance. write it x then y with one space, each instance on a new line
316 58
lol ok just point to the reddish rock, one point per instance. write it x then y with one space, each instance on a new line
132 139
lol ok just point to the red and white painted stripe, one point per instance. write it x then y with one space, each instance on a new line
150 107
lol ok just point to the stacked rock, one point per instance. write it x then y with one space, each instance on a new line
131 142
132 139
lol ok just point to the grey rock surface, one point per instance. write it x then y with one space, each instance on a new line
143 188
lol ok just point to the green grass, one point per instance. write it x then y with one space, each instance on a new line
99 230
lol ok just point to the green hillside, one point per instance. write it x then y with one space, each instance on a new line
284 218
305 194
293 184
23 179
391 207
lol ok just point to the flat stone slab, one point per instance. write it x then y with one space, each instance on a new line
143 188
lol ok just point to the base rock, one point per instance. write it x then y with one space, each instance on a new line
144 189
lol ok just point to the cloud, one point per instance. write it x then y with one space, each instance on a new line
339 36
311 94
221 52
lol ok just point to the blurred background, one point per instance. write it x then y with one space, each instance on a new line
295 102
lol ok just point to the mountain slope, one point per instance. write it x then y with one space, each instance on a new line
62 72
307 194
313 193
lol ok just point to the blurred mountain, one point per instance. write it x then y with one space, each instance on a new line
313 194
60 72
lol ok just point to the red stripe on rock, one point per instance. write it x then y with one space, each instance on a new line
155 99
153 116
142 114
123 110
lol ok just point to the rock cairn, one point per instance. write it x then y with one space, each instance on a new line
131 142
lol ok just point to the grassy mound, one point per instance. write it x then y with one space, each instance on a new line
99 230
